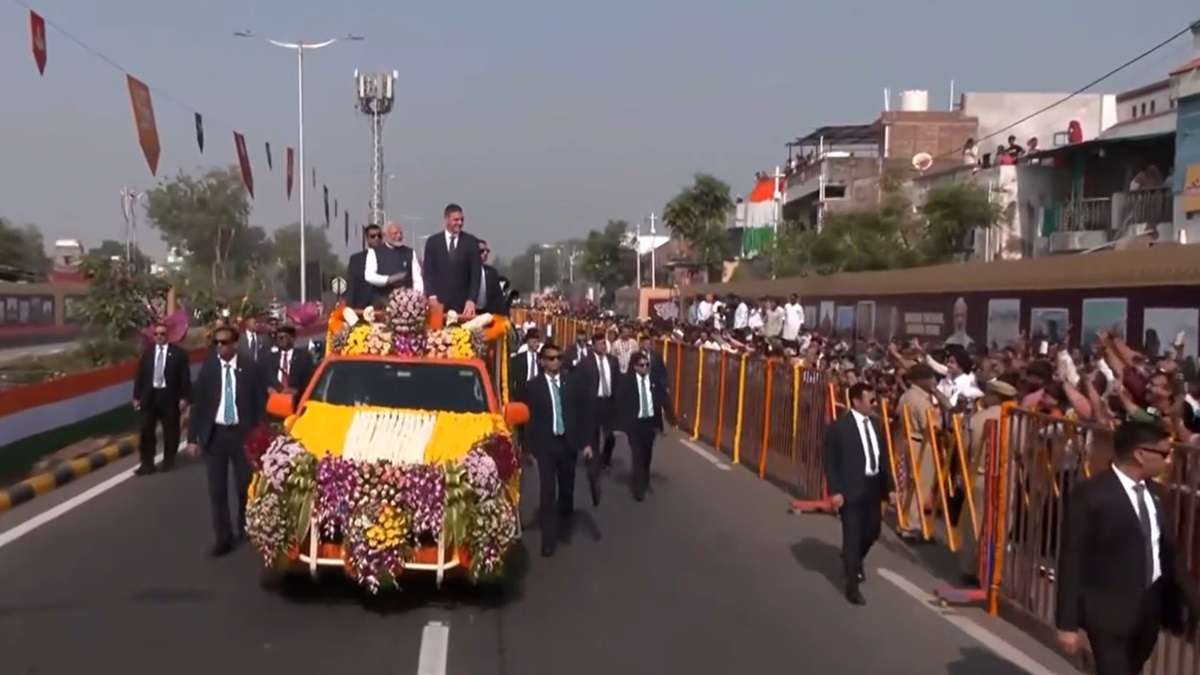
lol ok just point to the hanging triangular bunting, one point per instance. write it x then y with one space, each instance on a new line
143 121
347 229
244 160
335 209
314 172
200 132
325 188
37 39
290 156
270 164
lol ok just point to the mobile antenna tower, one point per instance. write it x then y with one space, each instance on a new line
375 97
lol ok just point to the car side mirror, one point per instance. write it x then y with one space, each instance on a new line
516 414
281 404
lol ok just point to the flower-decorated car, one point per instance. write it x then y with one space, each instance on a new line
398 459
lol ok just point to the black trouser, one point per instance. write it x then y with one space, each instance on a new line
605 440
861 519
1126 654
556 488
226 447
157 408
641 449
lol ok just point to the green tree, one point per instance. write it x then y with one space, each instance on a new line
606 258
317 248
699 214
520 270
110 249
206 216
952 213
23 249
117 303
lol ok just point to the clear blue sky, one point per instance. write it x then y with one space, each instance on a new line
543 119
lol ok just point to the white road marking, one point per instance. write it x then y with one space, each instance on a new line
435 643
705 453
984 636
16 532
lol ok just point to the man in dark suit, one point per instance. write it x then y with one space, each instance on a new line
859 477
255 346
524 365
162 388
288 367
641 407
599 373
577 352
492 298
229 399
559 429
360 292
1121 576
658 367
452 265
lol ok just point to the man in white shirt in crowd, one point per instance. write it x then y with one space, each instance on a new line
704 310
741 315
773 321
793 318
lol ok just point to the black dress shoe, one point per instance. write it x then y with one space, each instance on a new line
862 576
639 496
221 548
547 550
855 596
143 470
166 467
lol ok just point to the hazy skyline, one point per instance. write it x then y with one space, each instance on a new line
542 119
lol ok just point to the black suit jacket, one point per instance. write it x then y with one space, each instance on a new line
495 302
262 348
577 415
206 397
1102 567
658 369
454 279
628 403
359 291
572 356
176 372
299 374
846 459
518 374
589 372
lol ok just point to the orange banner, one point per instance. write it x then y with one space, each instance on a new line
143 121
37 38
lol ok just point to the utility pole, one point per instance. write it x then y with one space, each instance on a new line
129 201
637 250
299 47
537 272
376 96
653 248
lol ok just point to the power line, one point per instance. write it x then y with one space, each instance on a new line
1082 89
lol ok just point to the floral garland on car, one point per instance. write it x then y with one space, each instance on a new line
382 512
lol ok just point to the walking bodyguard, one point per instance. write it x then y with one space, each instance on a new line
859 478
641 407
1121 576
161 391
229 400
598 374
559 429
360 292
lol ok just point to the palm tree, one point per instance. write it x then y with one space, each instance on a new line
699 214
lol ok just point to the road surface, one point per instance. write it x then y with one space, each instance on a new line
708 575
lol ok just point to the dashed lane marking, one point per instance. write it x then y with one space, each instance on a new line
984 636
705 453
435 644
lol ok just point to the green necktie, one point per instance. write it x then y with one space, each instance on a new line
556 402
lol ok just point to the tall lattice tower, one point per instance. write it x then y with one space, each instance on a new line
376 94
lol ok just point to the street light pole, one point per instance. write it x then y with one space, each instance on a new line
653 248
299 46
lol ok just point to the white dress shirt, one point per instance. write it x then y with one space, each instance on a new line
530 364
232 374
285 366
452 240
372 276
1129 483
645 397
605 380
793 320
870 442
160 367
741 316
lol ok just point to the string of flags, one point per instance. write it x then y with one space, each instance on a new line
146 124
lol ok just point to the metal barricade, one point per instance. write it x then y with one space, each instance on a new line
687 393
754 409
710 399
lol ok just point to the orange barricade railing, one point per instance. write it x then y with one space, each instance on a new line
992 488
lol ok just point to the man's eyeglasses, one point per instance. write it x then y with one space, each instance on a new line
373 235
1158 451
550 357
225 343
640 364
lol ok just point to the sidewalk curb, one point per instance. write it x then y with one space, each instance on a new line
67 472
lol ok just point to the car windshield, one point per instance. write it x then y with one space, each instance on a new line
426 386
